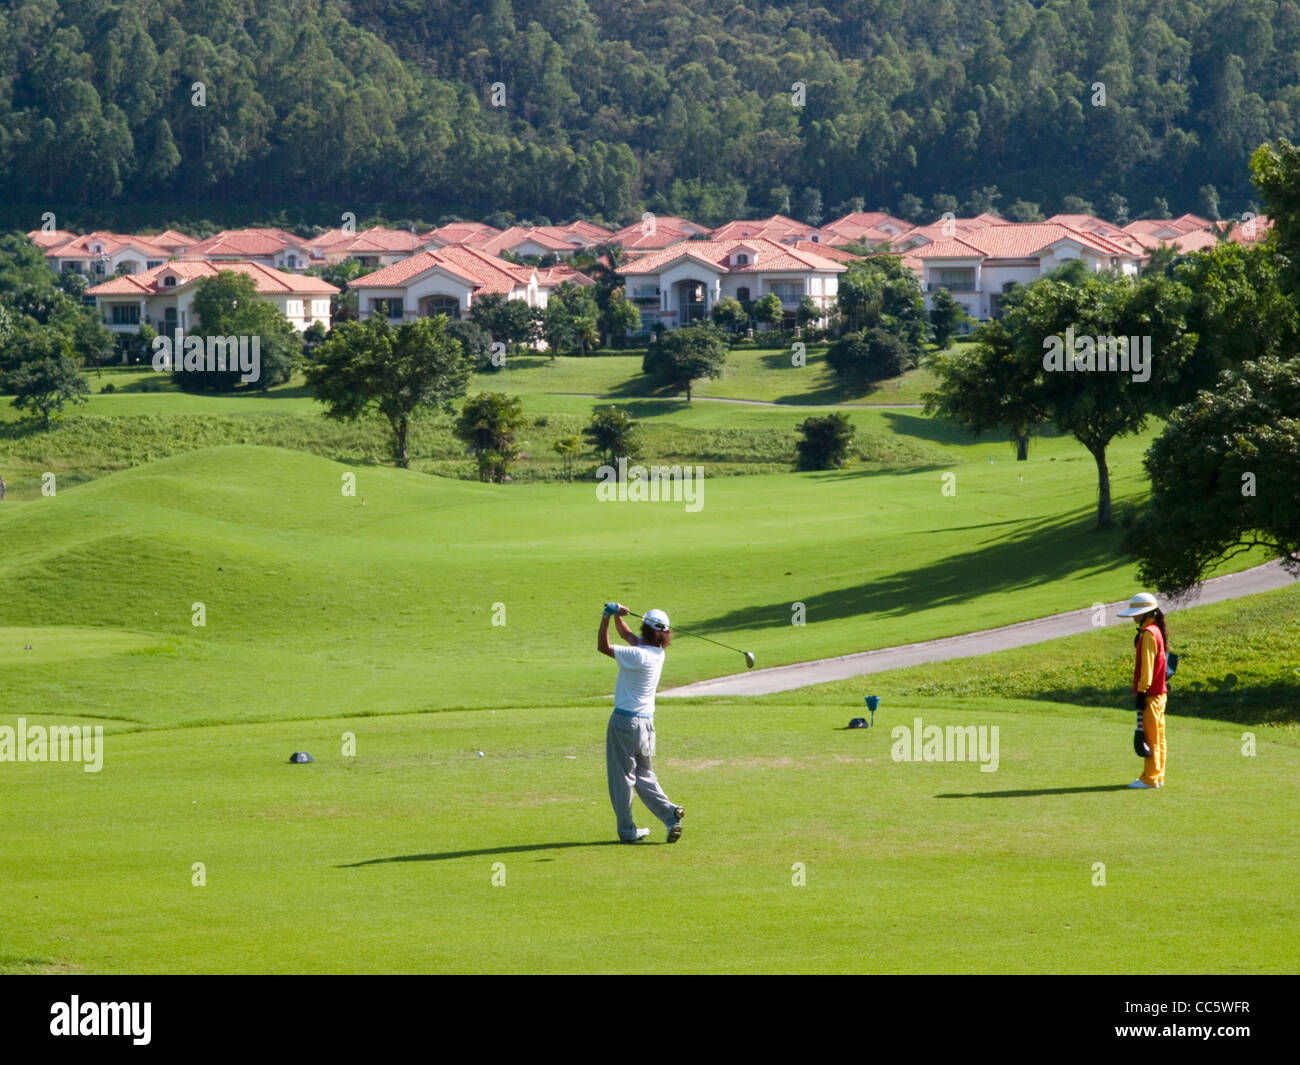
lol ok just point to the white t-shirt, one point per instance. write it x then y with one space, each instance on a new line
638 677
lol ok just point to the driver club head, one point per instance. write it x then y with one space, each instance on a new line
749 660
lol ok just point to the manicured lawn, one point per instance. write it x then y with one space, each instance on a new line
384 862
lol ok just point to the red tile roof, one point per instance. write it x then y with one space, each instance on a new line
377 239
555 275
1259 228
485 273
50 238
668 229
254 242
267 280
867 220
112 243
826 251
517 235
462 233
714 253
1015 240
172 239
779 227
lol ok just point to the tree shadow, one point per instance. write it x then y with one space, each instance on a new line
935 430
641 386
1272 702
1031 792
485 852
1045 551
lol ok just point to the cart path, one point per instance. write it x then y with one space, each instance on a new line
800 674
745 402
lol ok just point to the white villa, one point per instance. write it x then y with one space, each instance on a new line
445 281
680 284
979 265
161 297
103 254
275 248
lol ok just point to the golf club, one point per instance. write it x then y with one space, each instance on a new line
749 658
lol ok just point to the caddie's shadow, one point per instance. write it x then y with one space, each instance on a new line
446 855
1028 793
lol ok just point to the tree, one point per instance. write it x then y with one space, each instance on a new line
43 386
824 442
487 424
1024 211
227 305
1225 478
570 318
729 314
613 434
1225 473
869 356
946 317
396 371
474 342
567 448
619 316
882 292
509 322
808 312
1026 353
768 310
683 356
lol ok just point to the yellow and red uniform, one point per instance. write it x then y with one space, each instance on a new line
1149 679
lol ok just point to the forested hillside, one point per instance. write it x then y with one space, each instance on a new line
614 106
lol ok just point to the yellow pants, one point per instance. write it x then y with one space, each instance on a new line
1153 726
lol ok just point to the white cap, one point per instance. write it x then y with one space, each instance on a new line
1142 603
656 619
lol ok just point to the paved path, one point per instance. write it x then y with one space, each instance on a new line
783 678
746 402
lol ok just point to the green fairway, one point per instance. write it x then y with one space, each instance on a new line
320 604
1240 661
761 375
384 862
425 619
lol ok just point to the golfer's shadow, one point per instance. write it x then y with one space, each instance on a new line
1029 793
447 855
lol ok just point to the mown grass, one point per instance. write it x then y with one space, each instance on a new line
1239 662
807 848
397 585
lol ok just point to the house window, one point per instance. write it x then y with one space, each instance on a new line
787 291
293 262
742 259
742 294
169 281
126 314
432 306
150 264
393 303
956 279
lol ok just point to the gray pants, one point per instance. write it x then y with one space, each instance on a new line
629 746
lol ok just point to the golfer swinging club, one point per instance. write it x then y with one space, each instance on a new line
630 737
1149 689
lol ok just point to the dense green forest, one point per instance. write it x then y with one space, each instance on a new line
616 106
